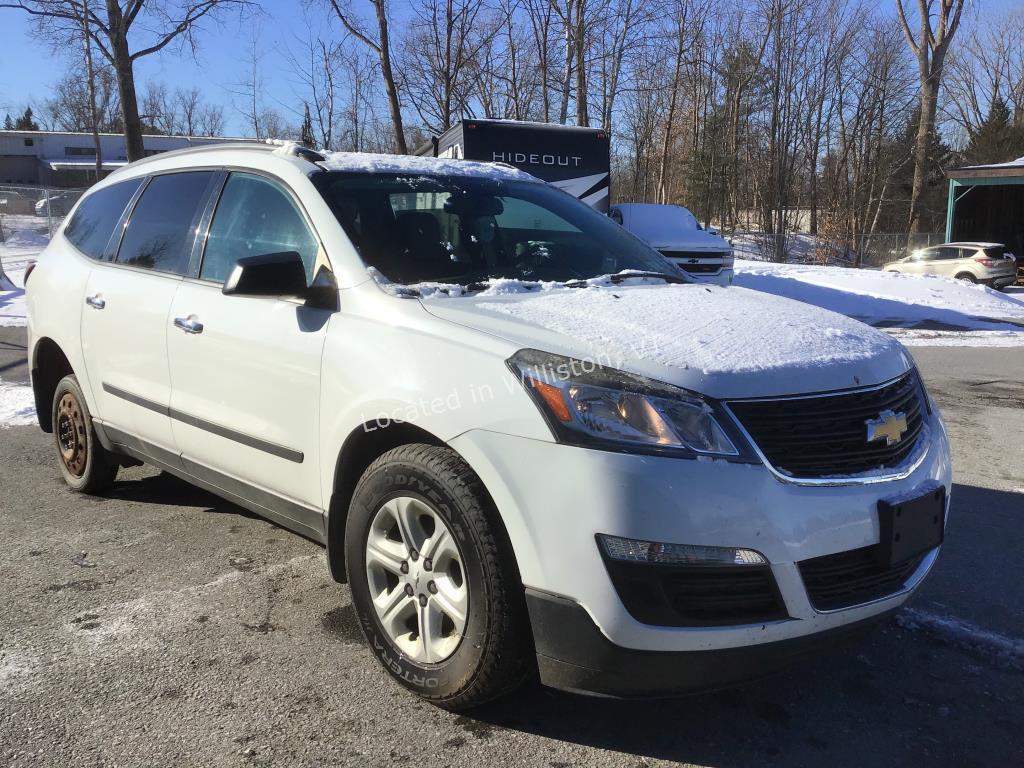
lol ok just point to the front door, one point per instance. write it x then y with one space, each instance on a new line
246 370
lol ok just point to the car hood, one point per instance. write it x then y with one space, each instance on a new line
723 342
688 240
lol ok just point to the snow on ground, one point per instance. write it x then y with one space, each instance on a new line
17 405
20 247
918 309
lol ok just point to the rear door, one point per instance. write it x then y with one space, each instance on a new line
246 370
956 261
127 305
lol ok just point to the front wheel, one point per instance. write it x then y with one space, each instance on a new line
433 580
86 465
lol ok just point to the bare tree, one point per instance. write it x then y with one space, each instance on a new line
444 40
930 46
70 108
381 45
159 22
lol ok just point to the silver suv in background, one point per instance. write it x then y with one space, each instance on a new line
988 263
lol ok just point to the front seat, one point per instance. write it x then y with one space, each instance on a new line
424 252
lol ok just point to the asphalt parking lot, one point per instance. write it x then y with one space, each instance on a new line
159 625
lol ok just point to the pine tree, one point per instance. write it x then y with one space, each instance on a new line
8 123
306 137
997 139
26 122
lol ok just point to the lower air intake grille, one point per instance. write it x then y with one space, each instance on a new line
697 595
852 578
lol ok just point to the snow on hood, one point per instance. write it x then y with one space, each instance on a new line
723 342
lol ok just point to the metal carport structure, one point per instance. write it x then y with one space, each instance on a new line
986 203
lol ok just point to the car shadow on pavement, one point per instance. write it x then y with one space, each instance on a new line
165 488
898 698
897 695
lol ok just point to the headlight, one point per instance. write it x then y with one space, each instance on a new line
587 404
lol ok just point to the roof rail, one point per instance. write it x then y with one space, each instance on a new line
229 145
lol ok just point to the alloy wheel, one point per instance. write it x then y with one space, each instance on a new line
417 580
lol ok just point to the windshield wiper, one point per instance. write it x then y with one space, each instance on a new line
618 278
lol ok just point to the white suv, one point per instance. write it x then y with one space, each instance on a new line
528 443
988 263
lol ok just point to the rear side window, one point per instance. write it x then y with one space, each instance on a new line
255 217
90 228
162 227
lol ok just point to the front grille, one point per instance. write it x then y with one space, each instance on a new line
826 436
707 262
852 578
696 595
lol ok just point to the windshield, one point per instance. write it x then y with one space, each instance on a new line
465 230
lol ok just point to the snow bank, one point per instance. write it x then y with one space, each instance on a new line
26 238
17 405
887 298
19 247
706 328
367 162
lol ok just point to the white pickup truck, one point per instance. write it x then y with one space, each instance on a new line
675 232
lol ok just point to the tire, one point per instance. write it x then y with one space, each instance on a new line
967 277
470 570
87 466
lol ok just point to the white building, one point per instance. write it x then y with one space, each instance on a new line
60 159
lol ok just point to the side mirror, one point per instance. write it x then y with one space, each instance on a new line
271 274
282 275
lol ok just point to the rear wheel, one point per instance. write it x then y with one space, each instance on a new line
433 580
967 277
86 465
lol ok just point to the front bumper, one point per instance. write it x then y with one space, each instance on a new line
573 655
554 499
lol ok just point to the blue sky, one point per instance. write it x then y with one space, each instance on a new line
30 68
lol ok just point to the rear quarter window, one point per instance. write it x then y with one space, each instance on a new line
93 223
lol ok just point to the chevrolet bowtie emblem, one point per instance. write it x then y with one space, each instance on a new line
889 426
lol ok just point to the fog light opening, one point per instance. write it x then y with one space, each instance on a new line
640 551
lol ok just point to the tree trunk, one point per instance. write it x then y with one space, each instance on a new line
90 74
394 107
922 145
580 48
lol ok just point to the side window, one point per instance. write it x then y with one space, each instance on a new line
93 223
161 230
255 216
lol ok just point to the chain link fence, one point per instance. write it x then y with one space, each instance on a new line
870 250
36 210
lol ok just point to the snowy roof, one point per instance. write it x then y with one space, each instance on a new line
368 162
80 163
1010 168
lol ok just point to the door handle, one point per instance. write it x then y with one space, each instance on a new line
188 324
96 302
